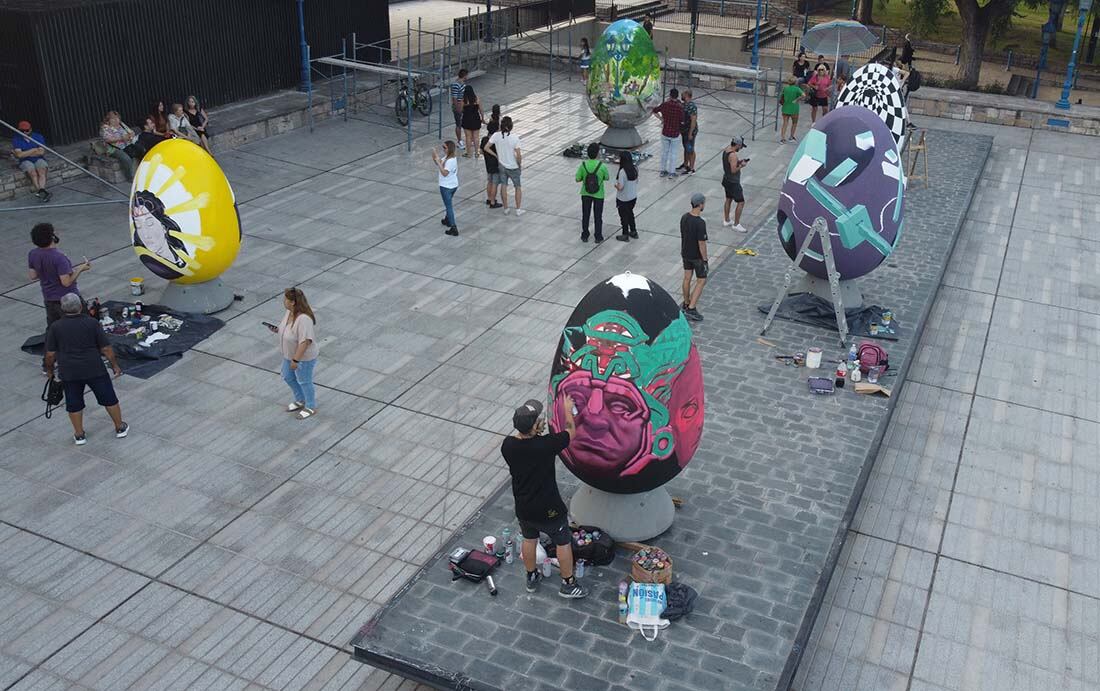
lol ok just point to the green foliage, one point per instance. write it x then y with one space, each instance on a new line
924 15
961 85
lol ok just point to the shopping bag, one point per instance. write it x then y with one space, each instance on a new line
646 604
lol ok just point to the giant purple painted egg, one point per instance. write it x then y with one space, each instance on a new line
846 171
626 359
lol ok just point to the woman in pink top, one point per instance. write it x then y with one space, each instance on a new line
819 91
298 345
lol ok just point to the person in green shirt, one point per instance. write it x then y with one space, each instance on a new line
790 101
592 174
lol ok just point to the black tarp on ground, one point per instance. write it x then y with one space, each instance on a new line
811 309
141 361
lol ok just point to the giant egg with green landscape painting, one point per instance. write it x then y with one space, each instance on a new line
624 79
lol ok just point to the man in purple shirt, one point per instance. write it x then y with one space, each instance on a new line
671 113
52 269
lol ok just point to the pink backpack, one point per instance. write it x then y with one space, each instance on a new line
872 355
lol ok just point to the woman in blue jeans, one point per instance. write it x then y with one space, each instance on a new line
298 344
448 182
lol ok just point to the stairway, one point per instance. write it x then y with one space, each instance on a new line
768 32
635 12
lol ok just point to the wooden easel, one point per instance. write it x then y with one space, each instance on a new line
914 158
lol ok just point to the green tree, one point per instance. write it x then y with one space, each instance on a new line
978 17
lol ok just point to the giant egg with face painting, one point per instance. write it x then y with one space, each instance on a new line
847 172
626 358
184 224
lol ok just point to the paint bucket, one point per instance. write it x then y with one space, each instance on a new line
137 286
813 358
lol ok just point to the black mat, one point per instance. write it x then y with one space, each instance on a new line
808 308
145 361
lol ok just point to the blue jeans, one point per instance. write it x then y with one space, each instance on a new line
448 194
668 159
300 381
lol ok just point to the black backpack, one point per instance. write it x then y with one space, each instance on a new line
914 81
591 181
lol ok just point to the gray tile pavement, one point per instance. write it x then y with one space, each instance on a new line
1002 496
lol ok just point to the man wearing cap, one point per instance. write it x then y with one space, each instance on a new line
539 507
77 343
731 183
28 149
693 251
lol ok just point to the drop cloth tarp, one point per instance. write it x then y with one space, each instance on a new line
141 361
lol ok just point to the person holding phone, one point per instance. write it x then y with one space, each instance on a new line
445 161
731 183
298 345
55 274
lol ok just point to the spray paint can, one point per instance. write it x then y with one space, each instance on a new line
509 546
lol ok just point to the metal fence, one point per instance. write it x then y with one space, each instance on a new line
518 18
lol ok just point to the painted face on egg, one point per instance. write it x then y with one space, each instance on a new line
184 224
626 359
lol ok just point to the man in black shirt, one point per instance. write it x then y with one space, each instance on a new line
693 250
76 342
539 506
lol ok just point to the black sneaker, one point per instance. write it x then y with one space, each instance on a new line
572 590
453 230
495 205
46 195
693 314
623 238
80 439
533 579
634 235
444 221
122 431
599 239
584 237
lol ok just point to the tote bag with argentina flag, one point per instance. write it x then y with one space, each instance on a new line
647 603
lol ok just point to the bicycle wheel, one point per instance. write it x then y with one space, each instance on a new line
423 100
401 108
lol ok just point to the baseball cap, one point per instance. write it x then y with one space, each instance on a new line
698 199
23 125
527 415
738 141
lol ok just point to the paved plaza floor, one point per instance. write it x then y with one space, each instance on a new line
223 546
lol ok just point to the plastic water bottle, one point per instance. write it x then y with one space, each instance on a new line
624 610
856 374
579 571
509 547
853 352
546 568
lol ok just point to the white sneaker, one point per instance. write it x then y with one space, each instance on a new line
740 228
507 210
727 224
462 145
520 212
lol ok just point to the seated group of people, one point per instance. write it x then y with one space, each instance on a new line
185 121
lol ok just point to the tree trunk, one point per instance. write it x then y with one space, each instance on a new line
1054 17
975 31
863 11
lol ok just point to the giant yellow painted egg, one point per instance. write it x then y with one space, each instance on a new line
184 224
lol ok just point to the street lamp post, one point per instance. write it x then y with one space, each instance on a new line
304 86
1083 8
756 37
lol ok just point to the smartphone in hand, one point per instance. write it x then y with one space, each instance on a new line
271 327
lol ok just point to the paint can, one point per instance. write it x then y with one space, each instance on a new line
813 358
137 286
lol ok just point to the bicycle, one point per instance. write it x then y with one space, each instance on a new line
421 102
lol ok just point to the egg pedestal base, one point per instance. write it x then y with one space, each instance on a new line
625 517
621 138
198 298
850 294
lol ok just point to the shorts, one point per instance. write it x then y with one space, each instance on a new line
458 118
507 174
556 530
700 267
494 178
102 387
819 101
689 142
28 166
734 191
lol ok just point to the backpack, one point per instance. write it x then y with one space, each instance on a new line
52 393
914 81
598 550
591 180
872 355
473 565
